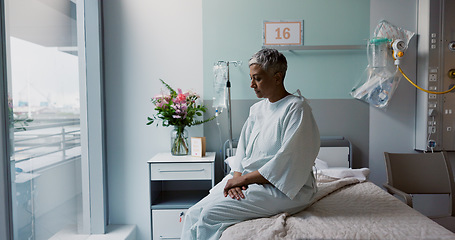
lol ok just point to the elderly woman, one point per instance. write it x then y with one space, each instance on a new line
272 169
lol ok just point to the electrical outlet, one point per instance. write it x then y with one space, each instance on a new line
433 77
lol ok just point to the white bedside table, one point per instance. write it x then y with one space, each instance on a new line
176 184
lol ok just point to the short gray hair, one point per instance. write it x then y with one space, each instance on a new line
270 60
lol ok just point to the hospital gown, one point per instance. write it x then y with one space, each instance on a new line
281 141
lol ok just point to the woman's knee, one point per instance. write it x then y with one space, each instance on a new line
215 211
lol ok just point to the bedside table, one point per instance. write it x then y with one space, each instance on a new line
176 184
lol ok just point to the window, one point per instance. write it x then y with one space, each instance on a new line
47 115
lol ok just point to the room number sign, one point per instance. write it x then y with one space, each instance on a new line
283 33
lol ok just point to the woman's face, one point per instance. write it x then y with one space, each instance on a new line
264 84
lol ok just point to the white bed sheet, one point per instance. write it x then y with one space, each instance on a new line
344 209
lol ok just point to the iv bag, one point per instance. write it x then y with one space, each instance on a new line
379 87
385 29
377 52
220 73
381 77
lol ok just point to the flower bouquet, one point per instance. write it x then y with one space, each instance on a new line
178 109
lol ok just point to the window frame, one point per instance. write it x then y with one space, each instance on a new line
92 117
94 179
6 222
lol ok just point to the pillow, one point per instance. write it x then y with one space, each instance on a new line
361 174
229 160
320 164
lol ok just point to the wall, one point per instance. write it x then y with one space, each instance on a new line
144 41
393 130
318 74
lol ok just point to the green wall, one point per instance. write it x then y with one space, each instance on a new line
232 31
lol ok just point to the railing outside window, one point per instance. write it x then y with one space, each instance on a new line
45 143
46 151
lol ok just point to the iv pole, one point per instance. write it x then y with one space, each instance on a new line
229 109
228 86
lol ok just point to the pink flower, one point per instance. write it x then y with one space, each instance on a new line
181 98
184 106
161 103
161 100
180 110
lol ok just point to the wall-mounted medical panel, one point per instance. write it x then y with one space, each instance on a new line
435 113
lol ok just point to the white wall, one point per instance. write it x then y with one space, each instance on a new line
144 41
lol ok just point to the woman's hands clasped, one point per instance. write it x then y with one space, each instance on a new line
238 183
235 186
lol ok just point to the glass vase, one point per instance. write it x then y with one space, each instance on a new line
179 141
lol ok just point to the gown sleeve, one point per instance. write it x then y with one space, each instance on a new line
235 164
291 167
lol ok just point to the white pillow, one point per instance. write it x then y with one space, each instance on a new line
340 172
229 160
320 164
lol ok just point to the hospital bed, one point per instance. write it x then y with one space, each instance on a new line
346 207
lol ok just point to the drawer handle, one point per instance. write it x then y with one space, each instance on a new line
161 237
183 170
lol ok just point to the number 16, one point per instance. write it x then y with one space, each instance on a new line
286 33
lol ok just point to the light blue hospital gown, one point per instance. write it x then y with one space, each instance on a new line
279 139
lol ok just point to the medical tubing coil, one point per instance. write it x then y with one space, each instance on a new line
427 91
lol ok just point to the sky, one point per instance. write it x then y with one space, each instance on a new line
43 74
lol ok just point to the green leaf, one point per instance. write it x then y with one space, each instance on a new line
173 92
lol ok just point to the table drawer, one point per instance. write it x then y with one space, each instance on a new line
167 224
181 171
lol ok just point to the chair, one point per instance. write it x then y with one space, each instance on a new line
421 173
